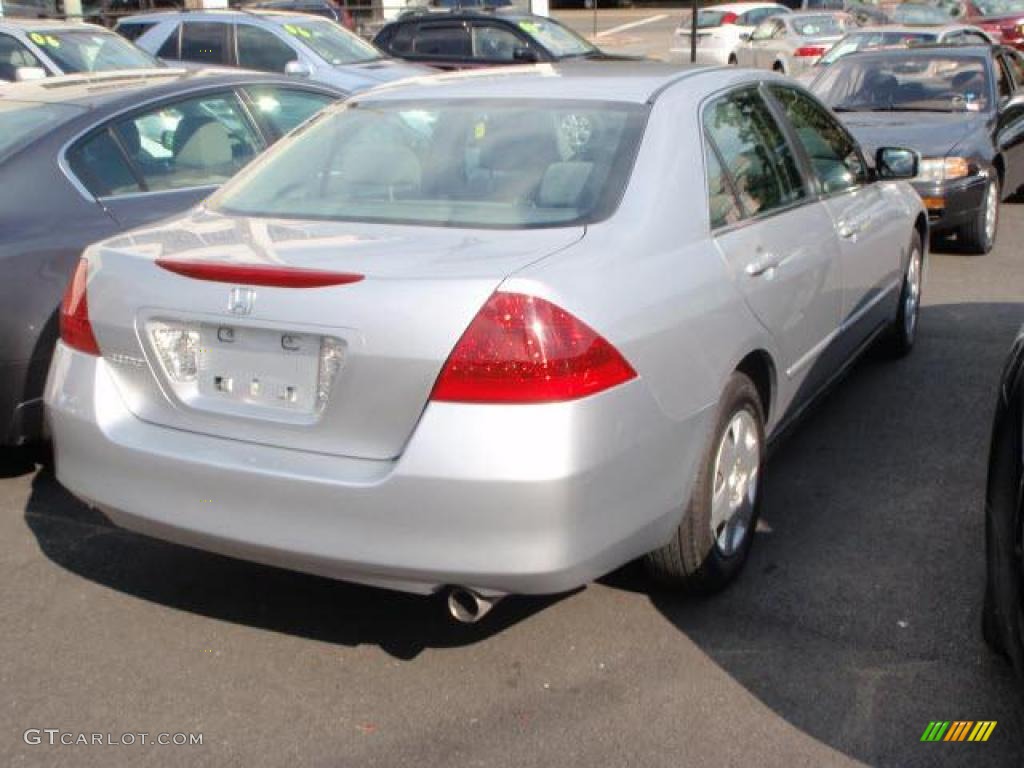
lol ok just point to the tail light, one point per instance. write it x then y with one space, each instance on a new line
809 50
523 349
729 18
75 328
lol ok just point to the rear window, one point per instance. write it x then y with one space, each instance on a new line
20 122
494 164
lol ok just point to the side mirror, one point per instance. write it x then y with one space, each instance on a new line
29 73
896 163
297 68
525 55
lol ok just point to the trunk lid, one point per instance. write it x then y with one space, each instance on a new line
339 369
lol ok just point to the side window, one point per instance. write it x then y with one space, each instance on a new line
285 108
199 142
1016 66
100 165
133 30
723 207
401 40
834 156
205 42
14 55
1003 83
261 49
450 40
763 31
755 151
494 43
778 29
170 50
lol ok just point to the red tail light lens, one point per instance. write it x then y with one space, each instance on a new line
729 18
75 328
523 349
810 50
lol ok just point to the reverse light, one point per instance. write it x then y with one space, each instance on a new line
939 169
75 328
807 51
177 344
524 349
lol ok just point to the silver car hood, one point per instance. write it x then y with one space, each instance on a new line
422 287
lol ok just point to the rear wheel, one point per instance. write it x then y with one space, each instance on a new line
979 236
733 61
711 543
779 67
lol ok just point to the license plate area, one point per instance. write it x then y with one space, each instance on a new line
247 371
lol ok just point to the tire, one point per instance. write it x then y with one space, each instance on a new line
903 332
778 67
733 61
696 559
978 237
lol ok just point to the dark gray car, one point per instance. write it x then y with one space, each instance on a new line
83 158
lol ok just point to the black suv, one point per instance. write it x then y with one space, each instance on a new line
463 39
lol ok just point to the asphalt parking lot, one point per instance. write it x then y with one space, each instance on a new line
855 623
633 31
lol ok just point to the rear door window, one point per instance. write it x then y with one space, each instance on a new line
759 160
102 167
205 42
198 142
261 49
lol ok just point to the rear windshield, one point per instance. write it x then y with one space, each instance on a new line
331 42
818 26
20 122
88 50
489 163
901 83
863 40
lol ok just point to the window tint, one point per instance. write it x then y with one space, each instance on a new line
199 142
169 50
101 166
834 156
754 150
286 108
13 55
723 207
262 50
401 40
204 41
451 40
133 30
495 43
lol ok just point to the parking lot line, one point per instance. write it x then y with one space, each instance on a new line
632 24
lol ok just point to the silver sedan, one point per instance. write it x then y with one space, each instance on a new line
792 42
498 332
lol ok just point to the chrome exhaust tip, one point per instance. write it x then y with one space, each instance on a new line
467 606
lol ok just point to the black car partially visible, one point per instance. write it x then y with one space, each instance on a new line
85 157
1003 613
466 39
961 107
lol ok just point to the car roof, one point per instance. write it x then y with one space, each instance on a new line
741 7
635 82
116 90
265 14
914 29
8 24
797 15
507 13
951 50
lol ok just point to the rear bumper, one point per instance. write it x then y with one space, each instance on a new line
530 499
952 204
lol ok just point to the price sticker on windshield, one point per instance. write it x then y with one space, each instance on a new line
295 31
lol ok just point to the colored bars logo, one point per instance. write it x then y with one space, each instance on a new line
958 730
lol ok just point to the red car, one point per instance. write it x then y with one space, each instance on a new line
1004 19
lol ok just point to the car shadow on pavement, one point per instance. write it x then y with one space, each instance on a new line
857 618
82 540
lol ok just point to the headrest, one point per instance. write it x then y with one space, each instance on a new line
208 146
563 184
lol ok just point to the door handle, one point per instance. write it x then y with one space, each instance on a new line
766 262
